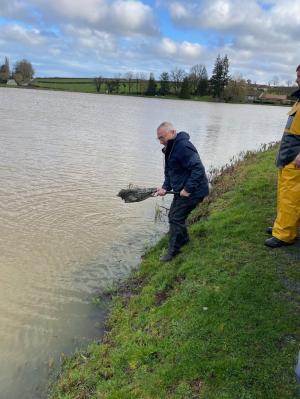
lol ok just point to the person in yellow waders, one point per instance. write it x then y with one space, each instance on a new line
286 225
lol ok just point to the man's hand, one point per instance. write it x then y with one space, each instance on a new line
297 161
161 192
184 193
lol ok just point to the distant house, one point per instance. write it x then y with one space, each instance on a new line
11 82
262 87
274 98
251 95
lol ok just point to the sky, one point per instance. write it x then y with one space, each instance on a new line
88 38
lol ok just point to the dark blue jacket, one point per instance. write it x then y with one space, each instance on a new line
183 167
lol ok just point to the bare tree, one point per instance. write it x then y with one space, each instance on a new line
177 75
275 80
109 86
143 78
18 77
24 68
98 81
197 73
236 89
137 81
117 82
112 85
129 77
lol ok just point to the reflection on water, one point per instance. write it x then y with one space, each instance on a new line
63 232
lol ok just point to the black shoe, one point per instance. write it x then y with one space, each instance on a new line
269 230
274 242
168 257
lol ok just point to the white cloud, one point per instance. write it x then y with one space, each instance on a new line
182 51
90 11
21 35
77 36
133 16
190 50
13 8
55 52
167 47
178 11
238 17
90 38
214 14
125 17
256 35
260 37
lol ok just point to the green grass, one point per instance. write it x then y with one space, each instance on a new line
86 85
221 321
77 87
66 84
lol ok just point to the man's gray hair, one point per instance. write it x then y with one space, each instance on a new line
166 126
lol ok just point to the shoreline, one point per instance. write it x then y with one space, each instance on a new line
186 329
175 98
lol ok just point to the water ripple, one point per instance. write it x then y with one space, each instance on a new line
63 232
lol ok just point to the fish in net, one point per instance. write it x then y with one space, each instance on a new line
136 194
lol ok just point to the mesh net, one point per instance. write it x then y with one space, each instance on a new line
136 194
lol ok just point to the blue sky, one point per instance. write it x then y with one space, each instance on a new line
101 37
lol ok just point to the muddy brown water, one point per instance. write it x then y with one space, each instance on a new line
64 234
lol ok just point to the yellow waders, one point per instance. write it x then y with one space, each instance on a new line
288 193
288 204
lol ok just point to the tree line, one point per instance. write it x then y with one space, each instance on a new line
22 72
176 82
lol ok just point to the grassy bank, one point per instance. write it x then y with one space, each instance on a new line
66 84
221 321
134 89
87 85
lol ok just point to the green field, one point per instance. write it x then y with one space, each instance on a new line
79 85
87 85
221 321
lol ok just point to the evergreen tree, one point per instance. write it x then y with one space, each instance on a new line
220 76
216 78
185 89
151 89
226 75
164 84
202 88
5 71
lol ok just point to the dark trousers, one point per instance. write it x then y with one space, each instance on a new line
179 211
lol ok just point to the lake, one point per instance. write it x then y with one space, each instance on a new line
64 234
